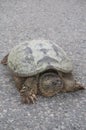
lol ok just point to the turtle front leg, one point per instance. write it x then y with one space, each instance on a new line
69 84
29 90
4 60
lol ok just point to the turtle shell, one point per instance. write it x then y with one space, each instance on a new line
32 57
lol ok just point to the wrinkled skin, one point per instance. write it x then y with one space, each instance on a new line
47 83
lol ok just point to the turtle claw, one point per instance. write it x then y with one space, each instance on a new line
79 86
27 97
25 100
33 98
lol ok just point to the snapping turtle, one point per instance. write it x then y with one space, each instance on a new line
40 67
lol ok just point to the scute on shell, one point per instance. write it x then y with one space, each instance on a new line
35 56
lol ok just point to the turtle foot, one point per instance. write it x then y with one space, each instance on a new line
79 86
73 88
27 96
4 60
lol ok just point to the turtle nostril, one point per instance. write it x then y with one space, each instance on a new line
54 83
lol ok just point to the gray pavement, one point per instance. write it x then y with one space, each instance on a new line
64 22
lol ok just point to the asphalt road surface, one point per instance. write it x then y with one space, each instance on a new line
64 22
